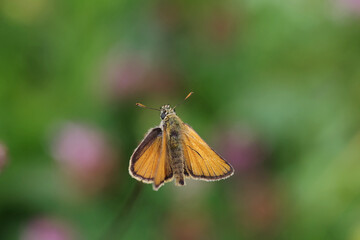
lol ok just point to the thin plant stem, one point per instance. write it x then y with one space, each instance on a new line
113 229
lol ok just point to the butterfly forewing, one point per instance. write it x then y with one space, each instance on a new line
149 162
202 162
144 161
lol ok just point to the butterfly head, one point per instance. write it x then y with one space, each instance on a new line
166 110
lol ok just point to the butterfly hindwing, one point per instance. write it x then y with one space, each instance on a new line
163 172
201 161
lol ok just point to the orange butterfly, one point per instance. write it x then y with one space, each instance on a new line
175 150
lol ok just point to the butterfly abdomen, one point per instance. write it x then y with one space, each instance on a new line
175 148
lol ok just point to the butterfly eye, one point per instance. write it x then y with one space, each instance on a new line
163 115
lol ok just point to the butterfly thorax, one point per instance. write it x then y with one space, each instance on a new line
172 126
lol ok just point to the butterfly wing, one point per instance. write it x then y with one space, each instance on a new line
202 162
143 162
163 173
149 162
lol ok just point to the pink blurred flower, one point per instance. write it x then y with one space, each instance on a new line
349 5
241 148
3 156
126 76
47 229
129 75
86 155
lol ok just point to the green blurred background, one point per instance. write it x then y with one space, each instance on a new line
277 92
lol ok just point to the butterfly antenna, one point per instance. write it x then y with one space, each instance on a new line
184 99
143 106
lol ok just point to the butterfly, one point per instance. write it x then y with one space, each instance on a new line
174 150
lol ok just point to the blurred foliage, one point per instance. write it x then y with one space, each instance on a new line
277 92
